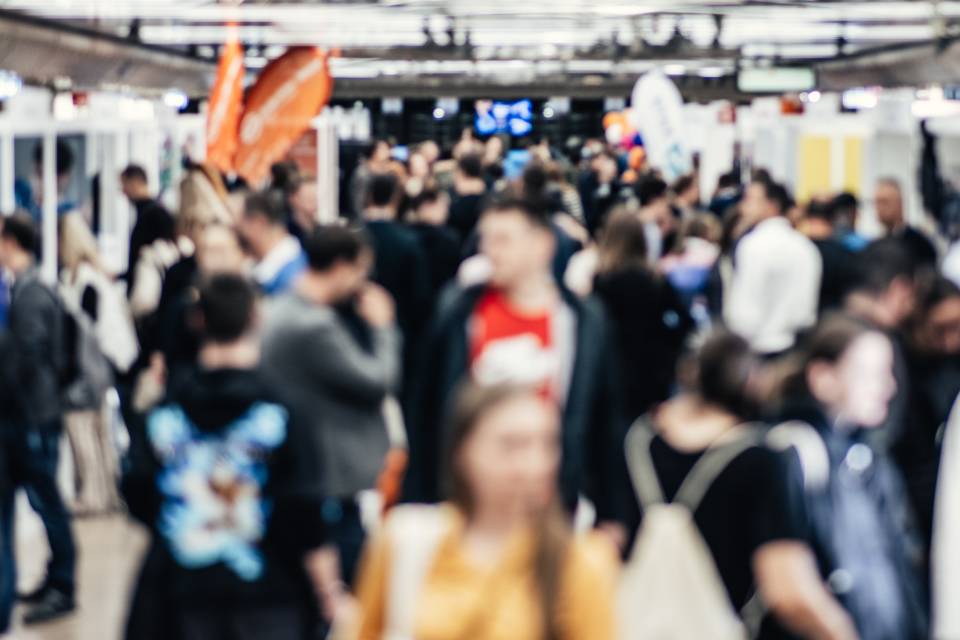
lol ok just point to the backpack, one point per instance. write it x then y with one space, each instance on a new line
671 571
86 374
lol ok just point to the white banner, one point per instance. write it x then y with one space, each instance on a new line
657 112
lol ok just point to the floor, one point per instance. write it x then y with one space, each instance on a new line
109 553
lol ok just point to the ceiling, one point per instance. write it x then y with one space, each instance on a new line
510 42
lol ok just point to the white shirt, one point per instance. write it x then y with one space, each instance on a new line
775 288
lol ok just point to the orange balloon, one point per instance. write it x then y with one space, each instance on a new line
289 93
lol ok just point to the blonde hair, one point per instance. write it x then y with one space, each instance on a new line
78 244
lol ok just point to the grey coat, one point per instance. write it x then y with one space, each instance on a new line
335 386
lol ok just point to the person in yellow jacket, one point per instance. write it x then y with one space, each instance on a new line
499 560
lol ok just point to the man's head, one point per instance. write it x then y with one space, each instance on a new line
378 153
228 309
431 206
133 182
470 167
518 240
341 257
264 221
764 199
302 198
884 289
430 150
220 250
845 210
382 195
687 190
888 200
64 161
18 243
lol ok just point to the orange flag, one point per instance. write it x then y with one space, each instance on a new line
226 103
289 93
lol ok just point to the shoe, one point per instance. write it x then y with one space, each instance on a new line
34 596
55 604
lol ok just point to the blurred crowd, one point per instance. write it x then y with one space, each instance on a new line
510 393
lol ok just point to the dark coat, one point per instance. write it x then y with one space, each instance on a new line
592 426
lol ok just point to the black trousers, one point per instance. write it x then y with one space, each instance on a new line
259 623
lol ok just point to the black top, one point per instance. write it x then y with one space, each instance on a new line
153 223
441 247
221 478
401 268
745 508
839 273
464 213
922 252
650 324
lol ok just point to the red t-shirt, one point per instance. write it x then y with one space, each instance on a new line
506 344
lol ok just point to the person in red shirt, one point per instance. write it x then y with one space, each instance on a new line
521 326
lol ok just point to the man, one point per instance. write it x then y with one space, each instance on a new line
776 281
224 479
29 192
400 265
153 223
522 327
429 212
311 356
839 261
37 333
376 161
279 257
888 200
686 197
657 216
469 191
845 213
599 189
301 196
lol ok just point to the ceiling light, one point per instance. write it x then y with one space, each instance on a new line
712 72
674 69
439 114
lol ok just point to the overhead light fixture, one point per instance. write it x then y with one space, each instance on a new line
176 99
674 69
10 84
439 114
712 72
548 112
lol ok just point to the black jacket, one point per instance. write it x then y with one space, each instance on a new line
592 426
37 330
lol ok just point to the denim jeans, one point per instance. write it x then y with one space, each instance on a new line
36 453
347 533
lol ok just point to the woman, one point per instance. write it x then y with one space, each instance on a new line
856 510
87 289
650 322
498 561
743 516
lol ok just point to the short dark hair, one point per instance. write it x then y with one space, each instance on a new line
382 190
776 193
725 365
330 244
283 175
471 165
427 195
134 172
21 228
649 189
269 204
64 157
820 210
880 264
371 148
683 183
532 212
727 180
227 304
845 201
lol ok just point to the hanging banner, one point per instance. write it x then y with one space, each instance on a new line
289 93
657 111
226 103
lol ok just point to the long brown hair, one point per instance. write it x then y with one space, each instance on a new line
623 243
552 529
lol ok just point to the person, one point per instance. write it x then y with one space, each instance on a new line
28 192
853 501
153 221
599 189
888 200
400 265
688 267
301 195
498 560
569 195
521 326
648 320
329 377
376 161
280 258
87 290
743 512
839 262
884 295
429 212
653 195
224 481
933 346
728 194
686 196
845 213
776 281
36 329
469 192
